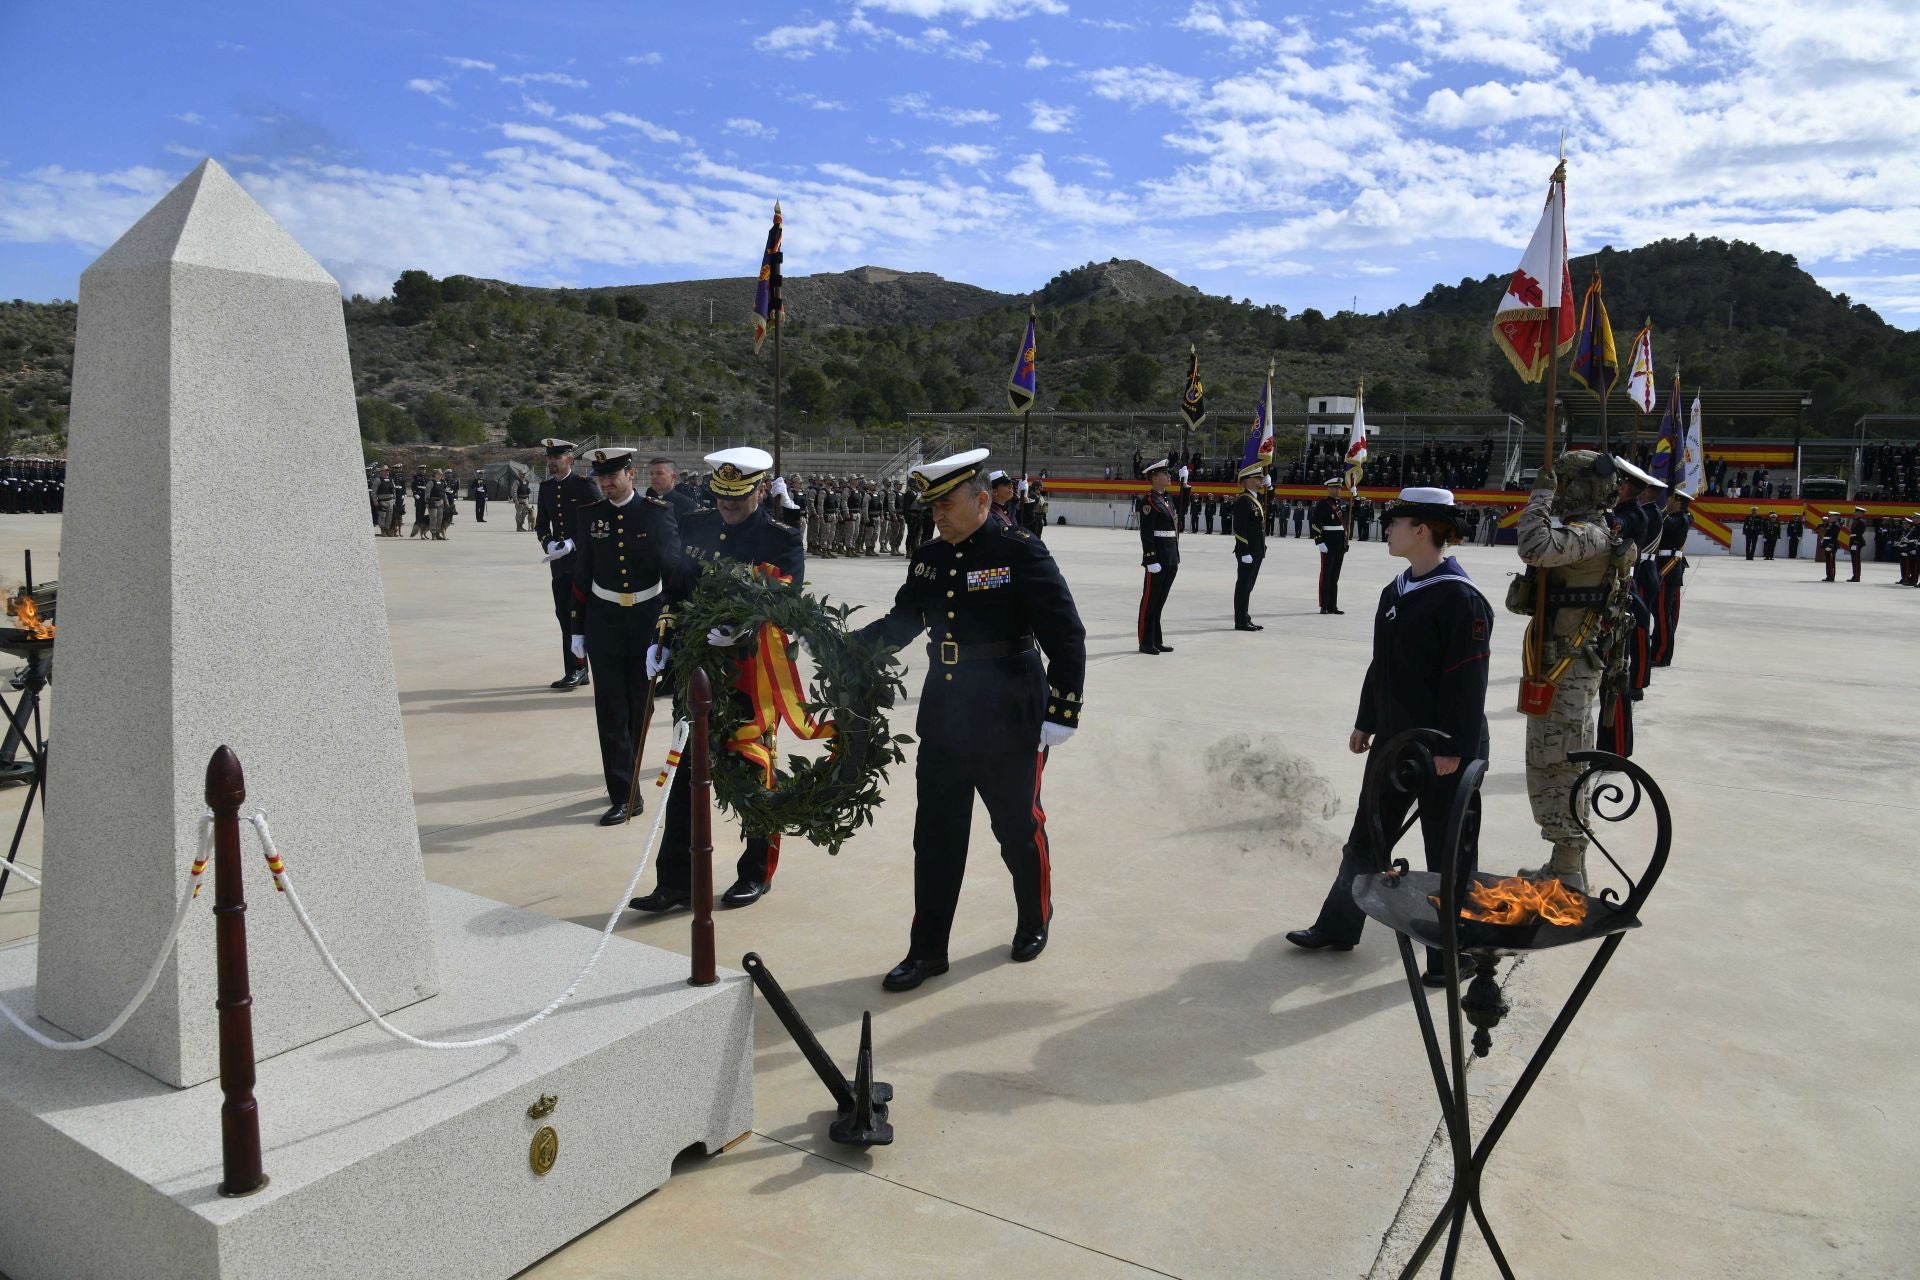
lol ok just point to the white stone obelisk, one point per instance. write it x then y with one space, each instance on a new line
218 584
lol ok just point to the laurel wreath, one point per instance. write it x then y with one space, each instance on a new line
825 800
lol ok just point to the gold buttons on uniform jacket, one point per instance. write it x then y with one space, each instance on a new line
949 595
953 573
949 613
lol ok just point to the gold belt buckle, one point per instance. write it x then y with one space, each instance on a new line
950 653
626 599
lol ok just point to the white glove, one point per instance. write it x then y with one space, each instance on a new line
657 656
1052 735
721 637
1246 559
1153 568
577 646
557 548
1323 548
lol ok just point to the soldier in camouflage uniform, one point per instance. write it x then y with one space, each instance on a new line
1564 533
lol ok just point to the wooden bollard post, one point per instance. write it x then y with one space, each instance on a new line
699 703
239 1113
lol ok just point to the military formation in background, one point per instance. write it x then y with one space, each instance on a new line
32 486
432 496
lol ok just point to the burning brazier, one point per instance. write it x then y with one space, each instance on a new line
1481 917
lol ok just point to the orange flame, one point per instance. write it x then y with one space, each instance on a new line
23 608
1519 901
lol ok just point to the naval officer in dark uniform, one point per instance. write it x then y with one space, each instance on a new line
737 530
562 494
1432 635
992 601
626 550
1159 553
1329 528
1249 522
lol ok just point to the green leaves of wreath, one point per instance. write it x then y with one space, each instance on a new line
823 800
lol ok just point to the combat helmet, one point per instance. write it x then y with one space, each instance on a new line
1583 482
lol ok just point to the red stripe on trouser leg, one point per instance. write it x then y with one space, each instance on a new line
1146 590
1040 842
773 856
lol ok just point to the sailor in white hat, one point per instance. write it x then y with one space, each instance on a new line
991 601
562 494
738 530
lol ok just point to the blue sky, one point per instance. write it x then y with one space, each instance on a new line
1309 155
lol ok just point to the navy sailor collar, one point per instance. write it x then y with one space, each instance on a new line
1448 570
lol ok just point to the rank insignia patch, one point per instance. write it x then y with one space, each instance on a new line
988 579
600 529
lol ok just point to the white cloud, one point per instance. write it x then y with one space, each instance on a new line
1234 22
1494 103
799 42
933 40
1050 119
578 121
469 64
1664 49
1037 61
1071 203
1137 86
191 117
648 59
818 103
748 127
966 10
652 132
537 106
560 78
920 105
966 153
435 89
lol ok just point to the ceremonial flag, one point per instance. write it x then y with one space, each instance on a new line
1023 386
1357 439
1640 388
1693 458
1520 321
1193 402
1258 455
1596 365
767 307
1665 449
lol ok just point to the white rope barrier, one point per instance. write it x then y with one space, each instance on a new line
285 883
20 871
187 896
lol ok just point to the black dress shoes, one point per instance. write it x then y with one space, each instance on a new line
1248 626
745 893
614 816
1166 648
1147 648
1315 940
910 973
572 680
662 900
1028 945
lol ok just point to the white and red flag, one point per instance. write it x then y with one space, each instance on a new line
1520 322
1640 388
1357 440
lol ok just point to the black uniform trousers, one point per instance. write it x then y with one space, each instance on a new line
1340 917
1753 541
480 509
1853 553
1666 623
1008 783
563 610
1832 556
1330 561
1245 575
617 646
1793 545
1153 599
673 866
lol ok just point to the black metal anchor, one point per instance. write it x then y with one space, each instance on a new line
863 1103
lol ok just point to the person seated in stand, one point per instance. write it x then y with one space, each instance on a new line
1432 634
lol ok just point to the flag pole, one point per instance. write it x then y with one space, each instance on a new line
777 327
1026 416
1536 635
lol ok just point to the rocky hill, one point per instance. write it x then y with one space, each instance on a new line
464 362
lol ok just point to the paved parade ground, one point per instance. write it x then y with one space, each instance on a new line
1172 1089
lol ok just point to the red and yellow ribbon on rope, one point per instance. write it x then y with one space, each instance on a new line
773 687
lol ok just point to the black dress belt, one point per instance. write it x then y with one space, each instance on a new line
948 653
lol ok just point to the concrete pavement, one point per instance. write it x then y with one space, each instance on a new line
1172 1089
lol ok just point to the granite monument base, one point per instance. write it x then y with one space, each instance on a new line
383 1159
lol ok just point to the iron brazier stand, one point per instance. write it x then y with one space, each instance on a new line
1424 906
